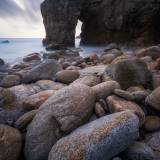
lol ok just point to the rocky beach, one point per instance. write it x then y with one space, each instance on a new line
61 106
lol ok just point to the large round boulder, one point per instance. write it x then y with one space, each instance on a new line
10 143
101 139
69 108
45 70
129 72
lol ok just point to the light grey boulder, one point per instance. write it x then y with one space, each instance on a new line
101 139
66 110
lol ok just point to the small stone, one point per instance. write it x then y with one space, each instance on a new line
152 123
139 151
36 100
10 143
104 105
153 140
67 76
153 51
88 80
32 57
105 89
139 96
124 94
99 110
10 81
101 139
117 104
153 99
25 120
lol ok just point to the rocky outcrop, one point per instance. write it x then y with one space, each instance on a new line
103 21
60 20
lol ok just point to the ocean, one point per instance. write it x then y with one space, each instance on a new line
19 47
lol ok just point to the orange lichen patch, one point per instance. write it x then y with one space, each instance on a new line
101 133
74 147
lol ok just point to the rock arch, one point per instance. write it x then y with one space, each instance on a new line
104 21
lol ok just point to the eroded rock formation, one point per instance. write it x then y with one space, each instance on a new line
104 21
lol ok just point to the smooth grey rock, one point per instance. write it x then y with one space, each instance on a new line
101 139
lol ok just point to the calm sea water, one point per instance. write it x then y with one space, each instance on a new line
19 47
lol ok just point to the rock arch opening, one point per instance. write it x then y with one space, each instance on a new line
78 33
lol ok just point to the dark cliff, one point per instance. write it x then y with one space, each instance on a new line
104 21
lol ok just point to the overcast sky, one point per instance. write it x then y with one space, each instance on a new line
21 18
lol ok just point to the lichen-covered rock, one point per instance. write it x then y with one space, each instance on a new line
67 76
139 151
45 70
129 72
153 99
10 143
69 108
117 104
101 139
105 89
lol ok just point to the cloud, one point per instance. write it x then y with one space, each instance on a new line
21 18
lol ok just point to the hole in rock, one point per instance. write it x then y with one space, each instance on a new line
78 34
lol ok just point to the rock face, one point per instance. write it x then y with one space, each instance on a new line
60 20
114 21
69 108
98 140
10 143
